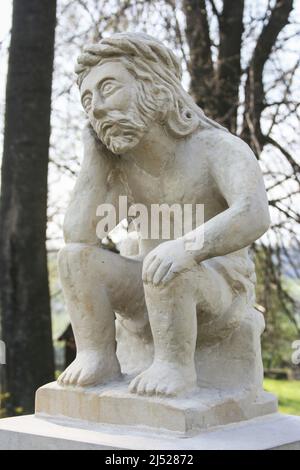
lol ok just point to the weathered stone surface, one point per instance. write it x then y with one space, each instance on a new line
28 432
174 316
113 404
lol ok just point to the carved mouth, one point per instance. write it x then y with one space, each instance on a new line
119 133
107 128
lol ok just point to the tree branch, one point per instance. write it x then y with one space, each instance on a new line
295 166
214 8
255 95
201 64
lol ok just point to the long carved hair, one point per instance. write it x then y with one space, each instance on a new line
159 75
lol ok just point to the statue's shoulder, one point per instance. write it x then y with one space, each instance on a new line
219 142
214 137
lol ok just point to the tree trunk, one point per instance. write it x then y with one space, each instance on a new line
229 62
200 63
25 303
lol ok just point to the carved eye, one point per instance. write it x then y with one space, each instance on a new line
107 88
87 102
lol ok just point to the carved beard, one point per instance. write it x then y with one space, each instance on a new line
121 132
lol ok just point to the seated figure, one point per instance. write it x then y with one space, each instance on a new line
146 139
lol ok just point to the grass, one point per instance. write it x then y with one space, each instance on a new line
288 393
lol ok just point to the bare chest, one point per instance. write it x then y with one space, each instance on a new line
179 182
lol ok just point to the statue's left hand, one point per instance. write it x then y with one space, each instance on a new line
166 261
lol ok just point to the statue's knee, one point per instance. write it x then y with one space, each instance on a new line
164 291
71 259
79 261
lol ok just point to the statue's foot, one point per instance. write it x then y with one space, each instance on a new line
164 378
90 368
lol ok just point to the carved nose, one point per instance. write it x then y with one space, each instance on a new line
98 107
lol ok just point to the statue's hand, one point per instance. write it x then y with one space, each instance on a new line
166 261
90 139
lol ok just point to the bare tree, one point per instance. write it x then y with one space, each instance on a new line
25 306
239 75
241 63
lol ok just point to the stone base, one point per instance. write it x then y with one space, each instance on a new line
112 404
31 433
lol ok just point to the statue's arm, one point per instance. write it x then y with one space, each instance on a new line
238 178
90 191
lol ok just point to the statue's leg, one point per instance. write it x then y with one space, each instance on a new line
173 318
95 283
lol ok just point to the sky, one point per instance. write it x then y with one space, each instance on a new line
5 25
5 17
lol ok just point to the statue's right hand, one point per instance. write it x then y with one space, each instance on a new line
89 135
91 141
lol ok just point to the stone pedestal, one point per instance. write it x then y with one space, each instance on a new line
273 431
113 405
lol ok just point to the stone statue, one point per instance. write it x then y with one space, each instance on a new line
172 318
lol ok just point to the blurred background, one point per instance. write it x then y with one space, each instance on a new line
241 64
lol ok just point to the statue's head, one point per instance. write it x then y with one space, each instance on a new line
129 81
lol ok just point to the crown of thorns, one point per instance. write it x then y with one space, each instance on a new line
136 47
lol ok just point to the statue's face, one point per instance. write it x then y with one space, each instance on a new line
109 97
